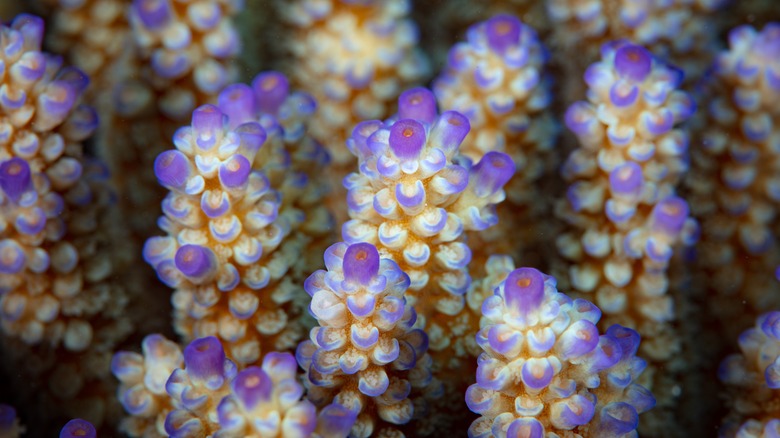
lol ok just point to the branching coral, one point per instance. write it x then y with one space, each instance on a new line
365 355
498 79
734 185
142 389
241 213
675 30
624 216
355 58
753 382
546 371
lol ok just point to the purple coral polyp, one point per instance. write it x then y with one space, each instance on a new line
252 386
153 13
361 263
235 173
271 90
417 103
669 215
207 122
172 169
78 428
237 101
15 177
194 260
524 290
493 171
204 358
407 138
12 257
626 179
633 62
503 31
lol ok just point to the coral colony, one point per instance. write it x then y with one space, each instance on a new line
387 218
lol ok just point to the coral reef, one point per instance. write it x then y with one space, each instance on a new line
426 133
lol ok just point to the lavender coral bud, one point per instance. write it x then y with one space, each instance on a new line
252 386
15 177
633 62
492 172
31 28
204 360
207 124
669 215
417 103
237 101
271 89
626 179
78 428
195 261
153 13
12 257
172 169
407 138
449 131
503 31
524 290
235 172
361 263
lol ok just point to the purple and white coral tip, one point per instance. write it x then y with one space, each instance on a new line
525 427
633 62
361 263
194 260
78 428
12 257
417 103
626 179
335 420
407 138
251 386
235 172
207 122
669 215
15 177
503 31
32 29
617 419
271 89
7 417
204 358
172 169
238 102
450 130
153 13
524 290
493 171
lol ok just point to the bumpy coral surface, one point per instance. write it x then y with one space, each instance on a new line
142 380
676 30
621 203
498 79
753 380
734 183
546 371
624 216
355 58
365 354
189 46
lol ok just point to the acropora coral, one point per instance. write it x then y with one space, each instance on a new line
333 218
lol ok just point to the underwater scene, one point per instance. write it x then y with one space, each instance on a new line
390 218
